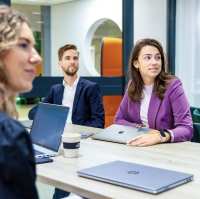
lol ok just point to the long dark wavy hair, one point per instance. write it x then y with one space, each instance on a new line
136 85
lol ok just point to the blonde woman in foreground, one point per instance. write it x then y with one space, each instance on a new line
18 58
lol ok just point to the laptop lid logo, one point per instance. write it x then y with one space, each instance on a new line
133 172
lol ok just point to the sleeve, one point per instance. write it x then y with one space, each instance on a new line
183 127
47 99
17 164
96 104
121 116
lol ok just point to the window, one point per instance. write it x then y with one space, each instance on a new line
187 48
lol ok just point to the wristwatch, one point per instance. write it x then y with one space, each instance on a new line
163 135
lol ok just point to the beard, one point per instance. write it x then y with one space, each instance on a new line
71 71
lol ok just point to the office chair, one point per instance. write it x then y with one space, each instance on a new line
196 132
195 112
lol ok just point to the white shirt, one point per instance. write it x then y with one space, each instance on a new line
68 97
147 91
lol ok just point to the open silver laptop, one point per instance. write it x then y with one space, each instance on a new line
47 128
136 176
119 133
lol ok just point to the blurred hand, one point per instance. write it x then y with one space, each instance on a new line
151 138
139 125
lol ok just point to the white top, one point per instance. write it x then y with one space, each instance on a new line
147 91
68 97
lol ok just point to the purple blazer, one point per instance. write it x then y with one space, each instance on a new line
172 113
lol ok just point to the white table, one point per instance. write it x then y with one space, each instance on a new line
61 173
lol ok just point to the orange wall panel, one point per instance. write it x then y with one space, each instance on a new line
111 104
111 57
111 65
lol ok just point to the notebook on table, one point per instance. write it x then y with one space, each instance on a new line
47 128
136 176
119 133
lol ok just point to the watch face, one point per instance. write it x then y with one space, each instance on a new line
162 133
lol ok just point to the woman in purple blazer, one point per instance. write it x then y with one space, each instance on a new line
154 98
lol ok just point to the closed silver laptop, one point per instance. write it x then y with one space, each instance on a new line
119 133
136 176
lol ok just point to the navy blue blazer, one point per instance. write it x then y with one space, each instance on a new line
87 107
17 163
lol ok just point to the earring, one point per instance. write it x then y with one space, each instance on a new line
137 67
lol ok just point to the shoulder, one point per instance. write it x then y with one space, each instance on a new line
174 82
174 86
10 127
57 87
87 83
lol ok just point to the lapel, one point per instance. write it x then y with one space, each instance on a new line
60 94
77 93
154 107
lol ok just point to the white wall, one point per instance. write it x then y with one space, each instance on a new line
150 20
70 23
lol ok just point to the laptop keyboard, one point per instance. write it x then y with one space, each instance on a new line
41 158
39 155
38 152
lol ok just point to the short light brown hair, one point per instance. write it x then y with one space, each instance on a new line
65 48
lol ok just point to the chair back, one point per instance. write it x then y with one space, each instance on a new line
195 112
196 132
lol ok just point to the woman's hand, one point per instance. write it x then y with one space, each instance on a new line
151 138
139 125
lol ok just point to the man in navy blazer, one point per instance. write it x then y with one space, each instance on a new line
83 97
87 106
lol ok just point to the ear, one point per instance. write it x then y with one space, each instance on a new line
60 64
136 64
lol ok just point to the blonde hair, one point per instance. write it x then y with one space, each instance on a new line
10 25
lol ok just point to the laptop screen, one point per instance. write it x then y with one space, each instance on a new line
48 125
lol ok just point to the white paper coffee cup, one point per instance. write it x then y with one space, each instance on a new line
71 144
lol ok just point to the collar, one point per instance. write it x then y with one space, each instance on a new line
65 84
